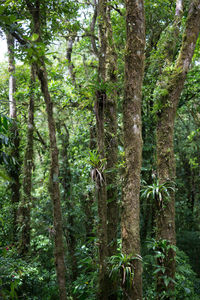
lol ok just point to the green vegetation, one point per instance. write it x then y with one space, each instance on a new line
83 102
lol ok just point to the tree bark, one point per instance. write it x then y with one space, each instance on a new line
102 199
134 68
111 148
54 184
90 197
25 208
103 288
14 172
54 169
111 140
65 175
165 131
69 59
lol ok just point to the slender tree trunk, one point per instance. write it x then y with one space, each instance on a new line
69 59
90 220
111 141
134 68
102 200
111 148
165 148
15 169
102 203
12 80
54 168
101 185
65 175
54 184
25 209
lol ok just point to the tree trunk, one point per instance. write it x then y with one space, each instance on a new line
111 149
54 184
102 200
134 68
111 141
54 169
165 148
90 197
14 172
101 184
69 60
25 209
65 175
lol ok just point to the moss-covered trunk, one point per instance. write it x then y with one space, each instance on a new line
111 139
134 65
165 149
66 182
14 170
165 217
111 147
25 207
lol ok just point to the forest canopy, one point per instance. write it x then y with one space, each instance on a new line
99 150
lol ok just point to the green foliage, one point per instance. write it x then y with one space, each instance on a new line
121 268
157 245
6 160
96 161
98 166
189 242
85 285
34 277
185 277
160 192
161 249
24 279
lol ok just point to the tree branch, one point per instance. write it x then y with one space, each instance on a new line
117 10
40 138
69 59
92 29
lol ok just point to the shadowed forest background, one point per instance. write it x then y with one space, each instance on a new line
100 150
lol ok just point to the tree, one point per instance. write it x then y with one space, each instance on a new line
66 182
111 146
86 78
101 178
111 143
25 207
54 190
106 123
170 91
14 170
134 67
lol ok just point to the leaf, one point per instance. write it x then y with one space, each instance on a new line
159 269
34 37
1 220
167 281
4 176
5 123
148 194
